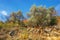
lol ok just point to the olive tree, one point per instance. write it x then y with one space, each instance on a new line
40 15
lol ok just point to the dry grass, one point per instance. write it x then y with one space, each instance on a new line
35 34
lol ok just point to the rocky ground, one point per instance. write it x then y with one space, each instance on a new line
29 33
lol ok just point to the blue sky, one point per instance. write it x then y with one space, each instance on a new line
8 6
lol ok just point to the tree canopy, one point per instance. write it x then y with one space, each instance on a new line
41 15
38 16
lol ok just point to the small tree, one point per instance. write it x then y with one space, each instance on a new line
41 16
17 18
12 17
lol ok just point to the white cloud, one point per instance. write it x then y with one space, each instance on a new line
3 13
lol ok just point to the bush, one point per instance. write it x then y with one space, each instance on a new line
53 21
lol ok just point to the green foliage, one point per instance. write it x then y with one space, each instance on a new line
41 16
37 16
53 21
1 24
17 17
12 17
